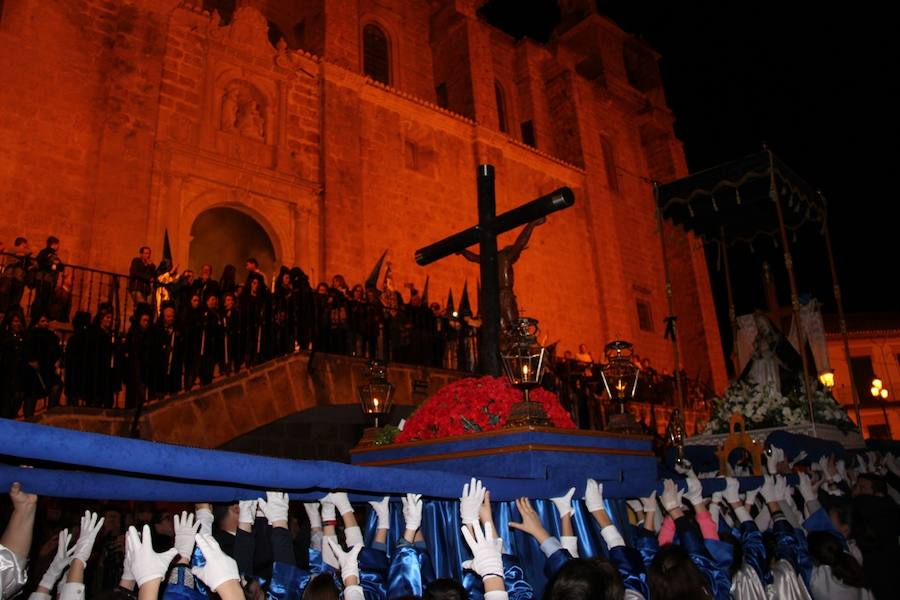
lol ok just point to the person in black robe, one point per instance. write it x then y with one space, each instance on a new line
339 315
141 274
211 339
166 354
49 266
322 306
13 366
17 274
228 282
232 346
373 325
304 309
75 360
137 360
102 363
191 325
42 353
283 300
254 309
357 318
205 284
439 336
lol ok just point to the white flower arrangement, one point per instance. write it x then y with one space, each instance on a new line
763 408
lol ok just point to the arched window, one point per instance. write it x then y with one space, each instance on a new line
501 107
376 59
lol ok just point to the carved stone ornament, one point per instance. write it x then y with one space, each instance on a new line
243 111
248 28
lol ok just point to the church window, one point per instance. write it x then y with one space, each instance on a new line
528 133
375 54
609 164
645 317
440 92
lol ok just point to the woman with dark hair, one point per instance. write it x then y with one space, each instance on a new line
228 282
322 306
253 307
137 359
321 587
674 576
282 325
304 311
837 575
102 361
13 380
586 579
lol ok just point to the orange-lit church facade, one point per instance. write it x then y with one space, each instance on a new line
319 133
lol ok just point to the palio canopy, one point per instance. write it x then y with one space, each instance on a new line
737 199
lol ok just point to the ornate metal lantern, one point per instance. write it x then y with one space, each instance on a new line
675 434
377 394
826 378
523 360
620 377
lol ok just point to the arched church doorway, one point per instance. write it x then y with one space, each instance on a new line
226 236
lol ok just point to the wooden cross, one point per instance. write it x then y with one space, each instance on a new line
485 233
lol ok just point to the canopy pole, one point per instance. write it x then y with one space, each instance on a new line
842 321
795 296
732 314
676 371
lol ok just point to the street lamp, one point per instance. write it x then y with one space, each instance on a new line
523 361
878 390
620 377
377 394
826 378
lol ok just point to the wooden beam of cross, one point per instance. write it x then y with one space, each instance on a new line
490 225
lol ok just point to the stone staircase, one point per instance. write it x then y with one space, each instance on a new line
234 406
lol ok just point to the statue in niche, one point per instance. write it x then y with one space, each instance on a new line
250 122
230 105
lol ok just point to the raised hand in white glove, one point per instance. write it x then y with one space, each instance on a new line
275 507
750 496
685 468
412 511
563 503
862 465
312 513
90 527
694 491
671 496
649 503
247 511
470 501
205 517
593 496
732 492
773 458
799 457
348 561
767 491
781 488
60 561
340 501
487 557
219 567
185 530
145 563
635 505
807 489
841 467
383 512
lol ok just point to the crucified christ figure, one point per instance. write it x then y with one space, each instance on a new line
506 257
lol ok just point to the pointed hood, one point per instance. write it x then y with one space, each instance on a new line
372 279
465 308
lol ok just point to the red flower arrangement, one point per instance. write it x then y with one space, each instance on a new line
472 405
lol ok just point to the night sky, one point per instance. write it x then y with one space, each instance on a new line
816 82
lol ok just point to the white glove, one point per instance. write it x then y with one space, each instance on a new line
767 491
694 491
248 511
649 503
781 488
383 511
800 456
775 456
412 511
716 499
593 496
348 561
635 505
145 563
340 501
275 506
470 501
60 561
564 503
219 567
127 570
570 543
328 510
708 475
863 465
841 471
312 513
206 519
671 496
750 496
487 558
686 468
806 488
185 530
90 527
732 492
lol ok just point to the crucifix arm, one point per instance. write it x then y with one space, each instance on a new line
524 236
469 255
